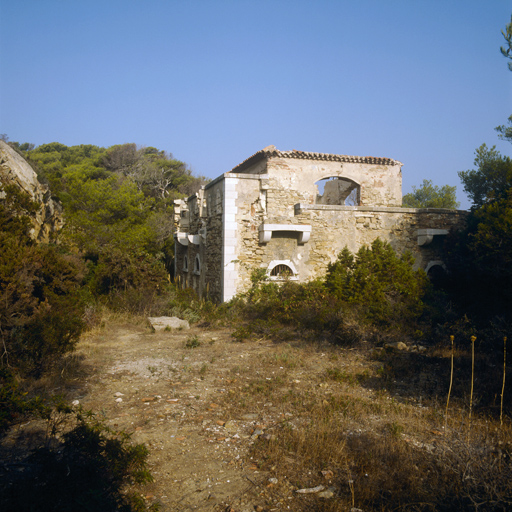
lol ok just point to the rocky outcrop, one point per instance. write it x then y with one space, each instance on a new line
15 170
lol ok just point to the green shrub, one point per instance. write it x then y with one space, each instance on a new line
89 468
40 304
373 295
192 342
384 284
14 403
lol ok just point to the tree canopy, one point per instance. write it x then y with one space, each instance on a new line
117 205
507 49
429 195
491 179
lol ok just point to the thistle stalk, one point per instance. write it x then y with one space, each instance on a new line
450 388
473 339
504 372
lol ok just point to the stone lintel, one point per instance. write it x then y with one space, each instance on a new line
425 236
266 231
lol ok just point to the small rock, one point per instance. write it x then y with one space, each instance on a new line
311 490
75 402
328 493
231 426
119 400
250 417
273 480
118 394
220 423
149 399
399 346
328 474
256 433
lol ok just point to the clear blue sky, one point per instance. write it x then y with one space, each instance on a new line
214 81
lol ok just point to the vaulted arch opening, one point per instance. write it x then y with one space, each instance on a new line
338 191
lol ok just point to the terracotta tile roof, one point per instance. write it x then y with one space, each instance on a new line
271 151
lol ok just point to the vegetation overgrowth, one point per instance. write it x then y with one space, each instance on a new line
114 251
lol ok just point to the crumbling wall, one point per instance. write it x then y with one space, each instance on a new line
212 266
251 206
268 215
334 227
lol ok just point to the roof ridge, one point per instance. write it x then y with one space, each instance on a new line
272 151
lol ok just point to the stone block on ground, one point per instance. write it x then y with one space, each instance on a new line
162 323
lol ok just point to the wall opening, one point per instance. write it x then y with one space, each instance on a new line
338 191
185 264
197 265
437 273
280 270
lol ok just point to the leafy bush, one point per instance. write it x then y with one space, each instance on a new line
359 298
14 403
90 468
384 284
40 304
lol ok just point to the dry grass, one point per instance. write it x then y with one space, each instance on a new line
367 425
351 428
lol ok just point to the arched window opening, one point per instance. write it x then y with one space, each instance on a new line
436 272
185 264
197 265
281 270
338 191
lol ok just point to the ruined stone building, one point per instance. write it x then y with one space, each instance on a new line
291 213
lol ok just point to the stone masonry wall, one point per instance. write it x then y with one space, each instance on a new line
225 218
251 204
334 227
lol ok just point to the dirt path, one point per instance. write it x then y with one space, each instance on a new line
173 391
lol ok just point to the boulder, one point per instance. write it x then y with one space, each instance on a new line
161 323
15 170
397 347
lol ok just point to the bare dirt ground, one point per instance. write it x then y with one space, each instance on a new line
211 409
192 397
245 427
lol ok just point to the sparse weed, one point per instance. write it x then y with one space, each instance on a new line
192 342
340 375
395 429
203 371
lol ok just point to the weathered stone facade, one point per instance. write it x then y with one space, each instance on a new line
270 212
